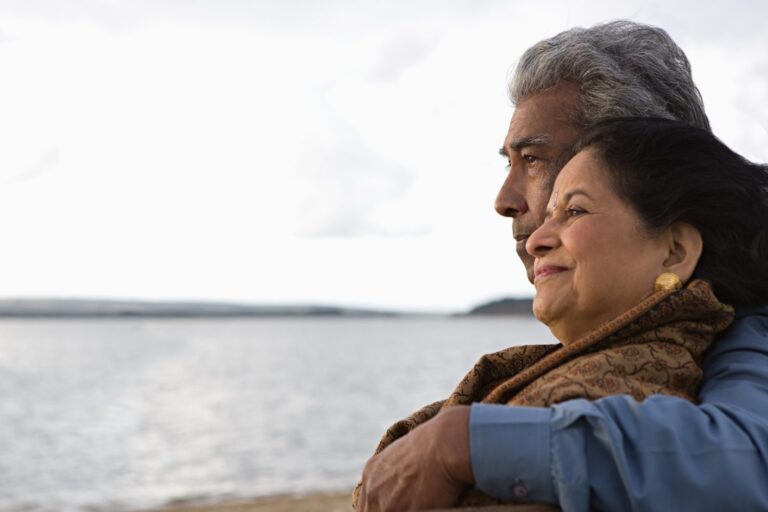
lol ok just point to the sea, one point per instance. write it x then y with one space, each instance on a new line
130 413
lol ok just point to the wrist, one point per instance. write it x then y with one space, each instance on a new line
455 456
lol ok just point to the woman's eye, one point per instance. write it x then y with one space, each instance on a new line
575 211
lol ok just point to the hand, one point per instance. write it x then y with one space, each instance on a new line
426 469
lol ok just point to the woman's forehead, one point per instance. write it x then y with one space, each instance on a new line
583 167
584 172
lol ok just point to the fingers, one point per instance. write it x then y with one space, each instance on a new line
360 504
375 492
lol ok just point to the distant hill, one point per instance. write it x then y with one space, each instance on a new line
96 308
507 306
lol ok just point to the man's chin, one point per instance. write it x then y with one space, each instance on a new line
527 260
529 271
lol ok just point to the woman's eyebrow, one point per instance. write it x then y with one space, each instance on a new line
578 192
566 197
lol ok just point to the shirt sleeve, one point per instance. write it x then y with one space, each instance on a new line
510 451
660 454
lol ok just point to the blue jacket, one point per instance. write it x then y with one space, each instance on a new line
661 454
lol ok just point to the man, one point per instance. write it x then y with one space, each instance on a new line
612 454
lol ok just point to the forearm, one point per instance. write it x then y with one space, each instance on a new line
617 454
511 452
662 454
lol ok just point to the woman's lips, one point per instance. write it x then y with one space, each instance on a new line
547 270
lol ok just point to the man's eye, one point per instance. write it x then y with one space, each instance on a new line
530 158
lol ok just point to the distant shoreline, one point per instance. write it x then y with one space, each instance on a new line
86 308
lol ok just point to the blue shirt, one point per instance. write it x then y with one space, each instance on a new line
660 454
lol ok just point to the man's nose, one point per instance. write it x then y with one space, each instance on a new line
510 202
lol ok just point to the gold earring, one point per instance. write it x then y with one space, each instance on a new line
667 281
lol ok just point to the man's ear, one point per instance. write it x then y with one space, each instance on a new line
685 245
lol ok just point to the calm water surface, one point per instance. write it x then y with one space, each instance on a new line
122 414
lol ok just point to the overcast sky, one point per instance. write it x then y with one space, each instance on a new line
336 152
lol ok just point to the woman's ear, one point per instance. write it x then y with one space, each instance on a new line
685 245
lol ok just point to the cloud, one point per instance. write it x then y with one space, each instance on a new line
399 55
305 16
751 125
5 38
732 24
346 185
45 163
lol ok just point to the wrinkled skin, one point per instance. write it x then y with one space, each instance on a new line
428 468
540 133
431 466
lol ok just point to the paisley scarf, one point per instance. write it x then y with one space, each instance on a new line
655 347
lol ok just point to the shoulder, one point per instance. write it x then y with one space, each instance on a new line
749 331
736 365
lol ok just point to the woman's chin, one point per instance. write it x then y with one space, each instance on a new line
542 310
553 317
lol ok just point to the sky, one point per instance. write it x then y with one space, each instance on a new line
294 152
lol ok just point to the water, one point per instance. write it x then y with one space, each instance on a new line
123 414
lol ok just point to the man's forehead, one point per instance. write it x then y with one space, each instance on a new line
527 132
544 118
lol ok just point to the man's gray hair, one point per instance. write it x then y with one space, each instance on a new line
622 68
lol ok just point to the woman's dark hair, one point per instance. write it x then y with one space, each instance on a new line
669 172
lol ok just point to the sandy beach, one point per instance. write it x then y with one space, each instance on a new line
321 502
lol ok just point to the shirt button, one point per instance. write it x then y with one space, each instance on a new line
519 490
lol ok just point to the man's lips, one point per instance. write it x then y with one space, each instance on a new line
547 270
521 240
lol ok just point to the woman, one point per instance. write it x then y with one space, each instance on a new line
644 207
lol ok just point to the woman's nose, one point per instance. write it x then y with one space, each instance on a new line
543 240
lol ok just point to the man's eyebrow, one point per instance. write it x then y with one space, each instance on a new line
522 142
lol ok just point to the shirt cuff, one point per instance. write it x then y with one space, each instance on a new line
511 452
